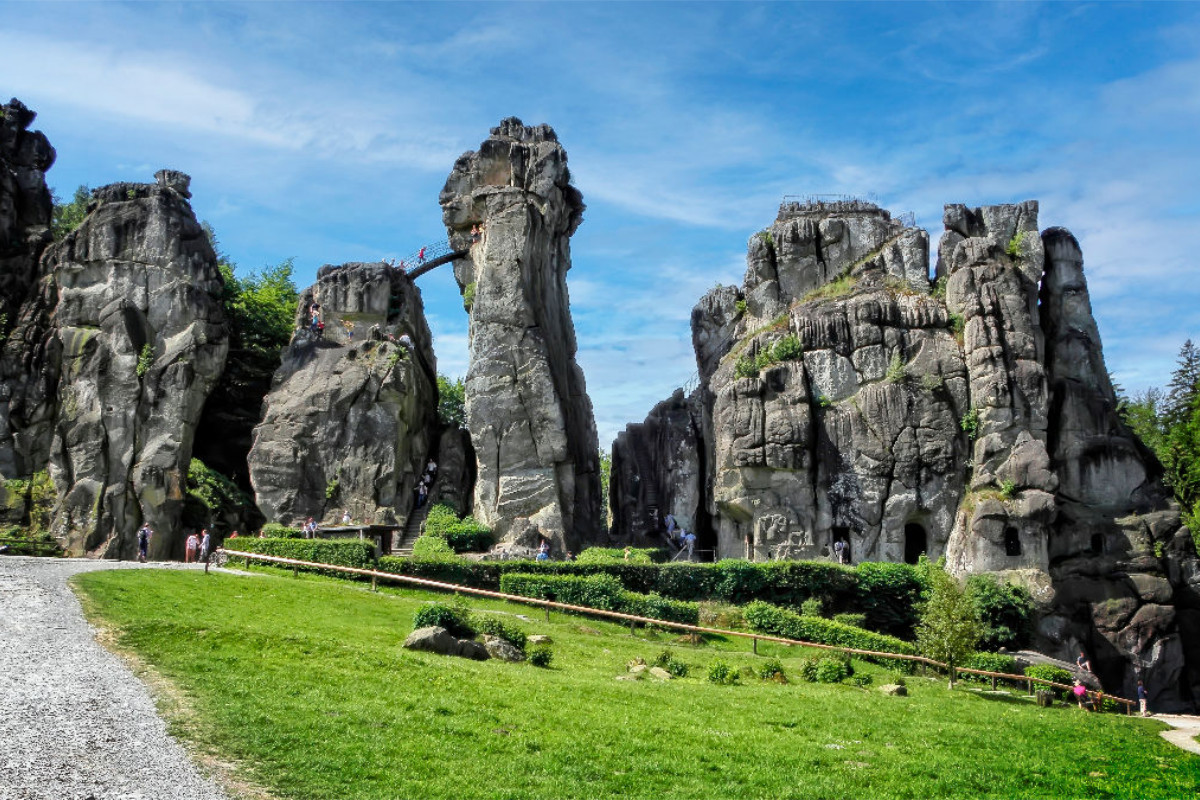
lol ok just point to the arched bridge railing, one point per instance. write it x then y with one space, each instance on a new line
430 257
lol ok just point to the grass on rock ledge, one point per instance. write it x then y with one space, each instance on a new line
304 684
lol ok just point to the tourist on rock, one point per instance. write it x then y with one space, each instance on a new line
543 551
1083 663
205 543
1142 697
422 493
406 340
190 546
1080 692
670 523
144 534
346 517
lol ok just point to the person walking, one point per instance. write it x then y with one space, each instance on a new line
839 550
1142 699
205 544
190 546
144 534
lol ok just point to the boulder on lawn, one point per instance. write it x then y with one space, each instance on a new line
502 649
894 690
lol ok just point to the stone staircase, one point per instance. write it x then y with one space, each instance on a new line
412 531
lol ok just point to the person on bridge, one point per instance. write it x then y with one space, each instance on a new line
421 256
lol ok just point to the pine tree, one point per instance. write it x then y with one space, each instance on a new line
1181 392
949 627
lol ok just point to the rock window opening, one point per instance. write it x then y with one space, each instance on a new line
1097 543
916 542
1012 542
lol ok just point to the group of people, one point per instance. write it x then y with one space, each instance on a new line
196 547
309 528
316 323
1079 691
683 539
425 484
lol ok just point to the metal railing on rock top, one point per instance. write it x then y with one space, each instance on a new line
634 619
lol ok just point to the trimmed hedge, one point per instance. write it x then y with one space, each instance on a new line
889 595
769 619
616 555
602 592
463 535
732 581
342 552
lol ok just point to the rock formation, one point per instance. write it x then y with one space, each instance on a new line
527 407
351 416
119 336
841 395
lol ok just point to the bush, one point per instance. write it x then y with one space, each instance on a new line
432 548
862 680
273 530
772 670
857 620
667 660
1049 672
832 670
889 595
722 674
766 618
992 662
25 542
812 607
495 627
722 615
615 555
462 535
455 619
1005 612
602 592
341 552
808 670
541 655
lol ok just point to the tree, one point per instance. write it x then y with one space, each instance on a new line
605 473
1144 416
66 217
1181 391
949 627
452 402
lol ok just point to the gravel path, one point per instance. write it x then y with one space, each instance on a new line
74 721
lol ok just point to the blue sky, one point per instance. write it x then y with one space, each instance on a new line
324 132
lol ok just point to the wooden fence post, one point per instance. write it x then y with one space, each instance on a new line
755 640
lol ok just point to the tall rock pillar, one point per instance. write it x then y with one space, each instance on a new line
528 411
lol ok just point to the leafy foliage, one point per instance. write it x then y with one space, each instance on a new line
993 662
541 656
614 555
485 623
949 627
1013 248
1005 612
766 618
1049 672
772 670
667 660
599 591
605 462
211 496
341 552
889 596
452 402
462 535
456 619
897 371
722 673
468 296
432 548
145 360
831 670
66 217
970 423
274 530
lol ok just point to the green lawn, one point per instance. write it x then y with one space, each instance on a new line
303 682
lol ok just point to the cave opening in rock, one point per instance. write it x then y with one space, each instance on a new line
1097 543
916 542
1012 542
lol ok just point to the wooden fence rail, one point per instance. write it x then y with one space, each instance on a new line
634 619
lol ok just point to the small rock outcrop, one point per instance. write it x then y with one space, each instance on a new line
511 206
438 640
842 395
351 417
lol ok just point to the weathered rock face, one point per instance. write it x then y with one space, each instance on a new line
528 411
143 339
455 471
657 470
351 417
27 358
840 397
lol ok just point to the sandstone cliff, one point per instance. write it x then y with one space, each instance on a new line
351 416
528 411
842 395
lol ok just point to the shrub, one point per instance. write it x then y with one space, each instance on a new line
888 595
831 670
939 288
857 620
787 349
1005 612
667 660
452 403
456 619
740 307
469 296
970 423
599 591
766 618
273 530
772 670
26 542
958 326
462 535
145 359
897 372
613 555
1007 489
341 552
432 548
992 662
541 655
812 607
1013 248
721 673
495 627
808 670
722 615
1049 672
862 680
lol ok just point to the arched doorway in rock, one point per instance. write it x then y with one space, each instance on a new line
916 542
1012 542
